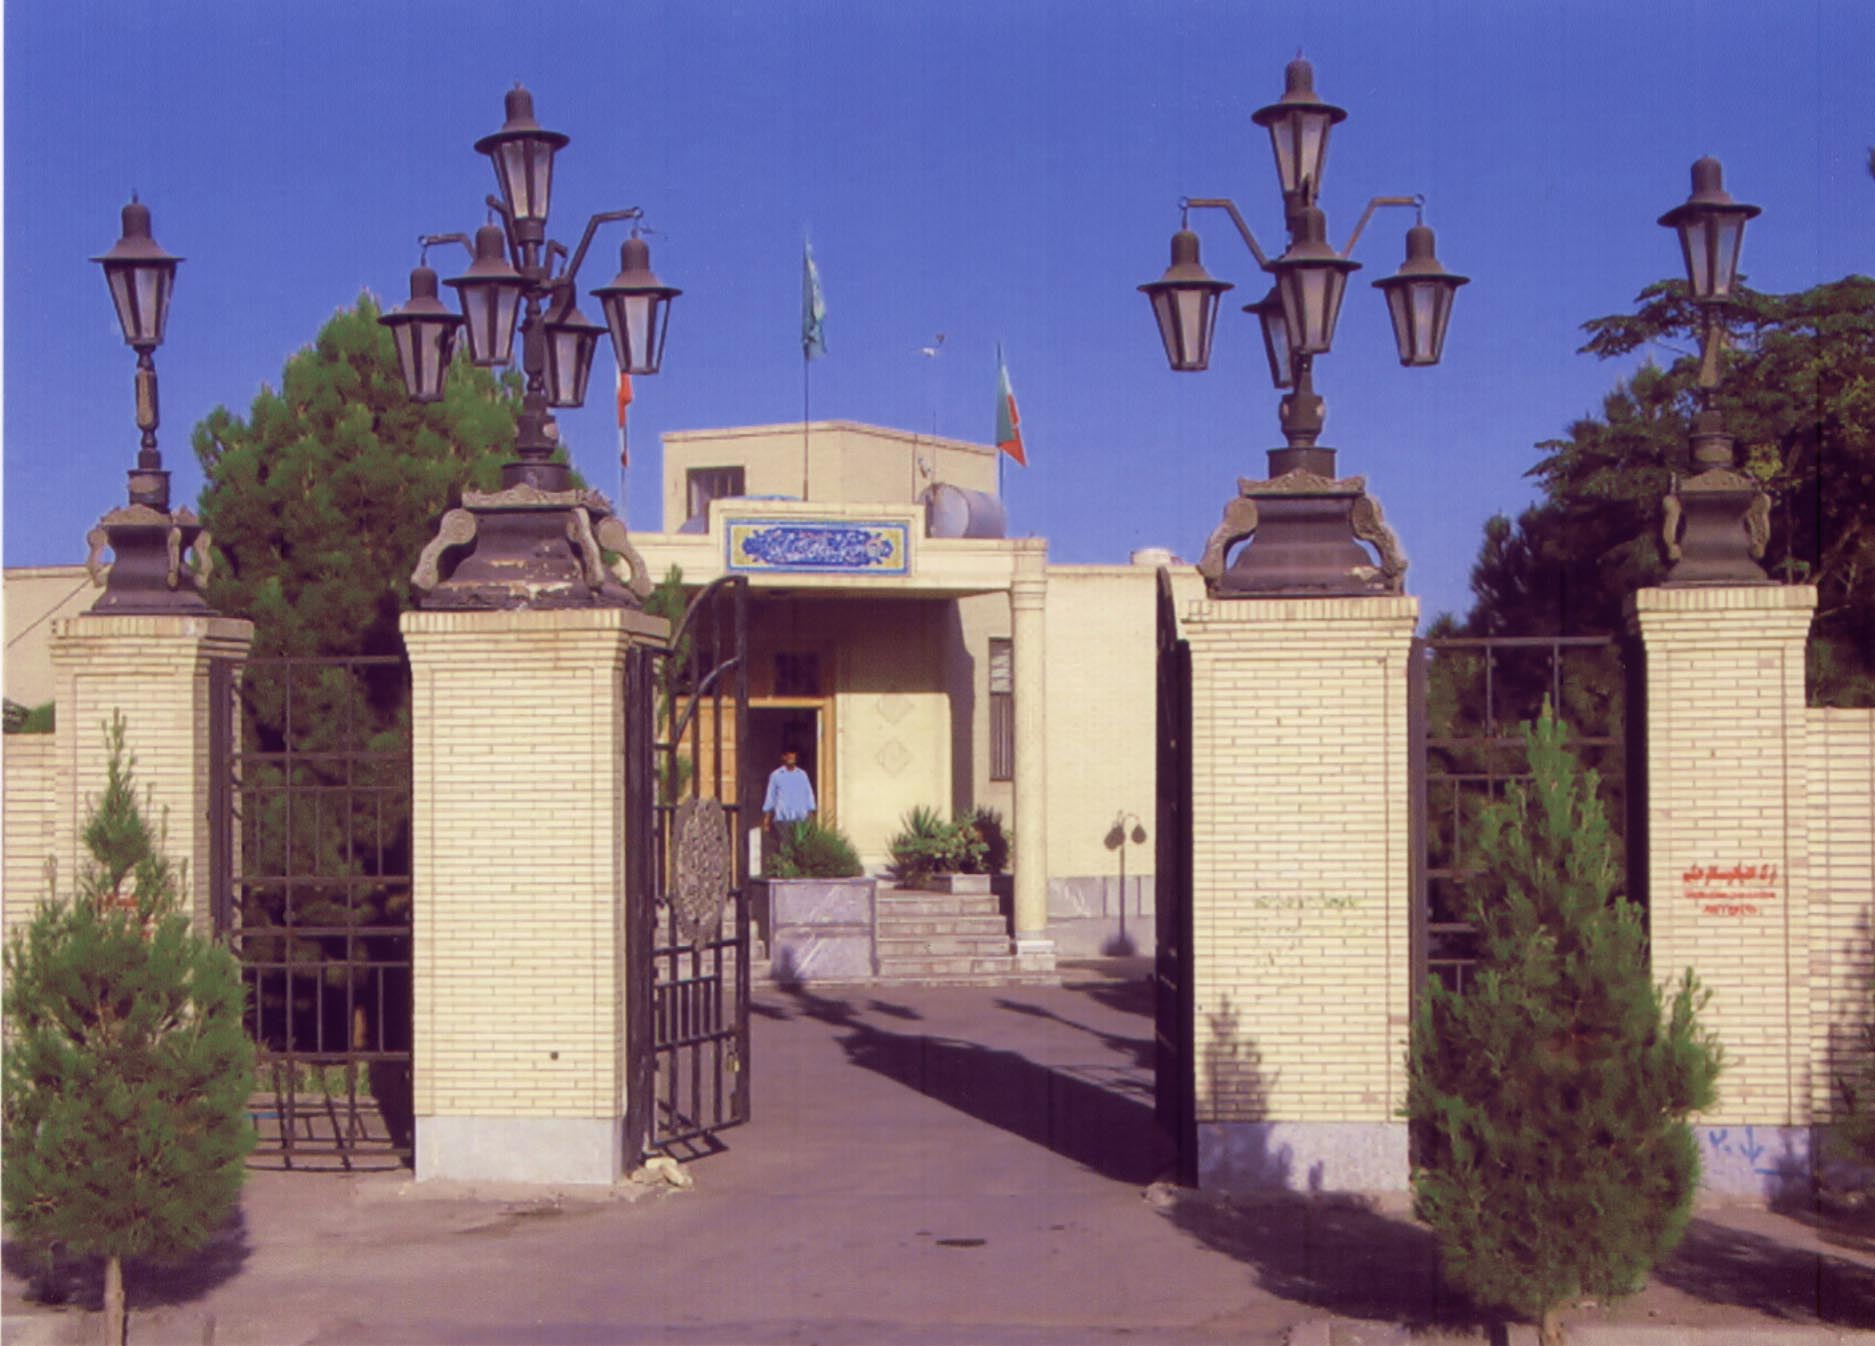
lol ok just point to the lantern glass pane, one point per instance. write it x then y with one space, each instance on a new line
151 300
569 361
423 350
1728 231
1283 142
1312 145
634 320
490 310
1191 325
1696 242
1276 344
1163 311
123 295
524 170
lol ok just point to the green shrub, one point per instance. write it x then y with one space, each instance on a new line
29 720
812 850
1853 1136
1550 1099
127 1067
926 844
995 837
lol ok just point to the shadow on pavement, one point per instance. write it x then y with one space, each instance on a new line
148 1283
1332 1253
1733 1266
1095 1115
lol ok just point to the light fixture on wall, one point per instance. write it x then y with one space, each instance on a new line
539 541
1303 522
150 543
1718 520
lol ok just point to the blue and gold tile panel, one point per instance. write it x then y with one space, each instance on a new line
818 546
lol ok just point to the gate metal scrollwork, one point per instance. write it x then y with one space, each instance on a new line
704 870
686 887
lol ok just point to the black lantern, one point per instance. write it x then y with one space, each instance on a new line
522 154
1185 301
1298 124
490 294
1311 277
572 340
1268 311
1712 229
637 309
1419 297
425 333
141 276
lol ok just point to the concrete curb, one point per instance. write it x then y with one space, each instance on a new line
1339 1331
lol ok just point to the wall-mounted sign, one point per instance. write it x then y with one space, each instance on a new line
1735 889
818 546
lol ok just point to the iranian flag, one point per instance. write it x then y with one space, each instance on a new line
624 400
1008 419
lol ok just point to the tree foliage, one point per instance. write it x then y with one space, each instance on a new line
1798 394
1549 1100
127 1067
321 500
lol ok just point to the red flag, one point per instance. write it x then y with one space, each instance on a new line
624 400
1008 422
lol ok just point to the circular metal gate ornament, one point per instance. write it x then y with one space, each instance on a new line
703 872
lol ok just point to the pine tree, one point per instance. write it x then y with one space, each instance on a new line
127 1068
1549 1100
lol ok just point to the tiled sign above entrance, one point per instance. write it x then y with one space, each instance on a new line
817 546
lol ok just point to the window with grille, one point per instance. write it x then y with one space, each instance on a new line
1002 708
704 484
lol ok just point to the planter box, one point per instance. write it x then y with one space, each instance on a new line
821 929
975 884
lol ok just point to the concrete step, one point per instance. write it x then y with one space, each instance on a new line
912 927
953 966
1011 978
943 946
906 902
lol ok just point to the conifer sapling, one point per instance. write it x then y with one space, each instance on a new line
127 1069
1549 1100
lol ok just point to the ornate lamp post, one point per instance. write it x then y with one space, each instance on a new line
1718 520
147 539
538 541
1304 521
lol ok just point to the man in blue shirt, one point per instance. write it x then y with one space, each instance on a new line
790 797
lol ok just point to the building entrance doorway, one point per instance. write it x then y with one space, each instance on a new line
775 729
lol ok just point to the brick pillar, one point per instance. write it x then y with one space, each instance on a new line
1728 852
1028 588
155 670
519 825
1301 899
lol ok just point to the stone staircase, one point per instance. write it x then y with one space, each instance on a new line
947 939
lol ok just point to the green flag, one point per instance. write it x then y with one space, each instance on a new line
813 307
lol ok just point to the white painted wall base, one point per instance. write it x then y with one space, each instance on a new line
583 1150
1247 1157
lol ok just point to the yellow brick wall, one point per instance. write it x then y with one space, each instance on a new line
30 789
519 844
155 670
1842 891
1300 856
1728 844
1102 626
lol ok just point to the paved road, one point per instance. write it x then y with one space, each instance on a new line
926 1166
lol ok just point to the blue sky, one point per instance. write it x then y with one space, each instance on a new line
994 171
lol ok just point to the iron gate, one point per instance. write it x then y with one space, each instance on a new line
1175 1078
309 855
686 899
1468 697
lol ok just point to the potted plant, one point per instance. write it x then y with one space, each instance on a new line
821 907
955 856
